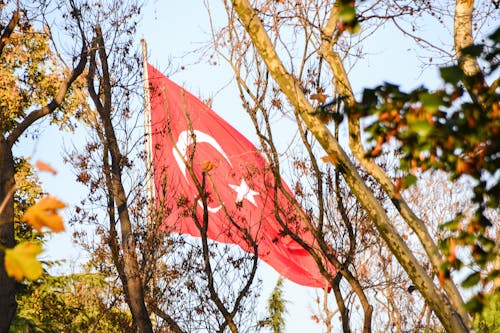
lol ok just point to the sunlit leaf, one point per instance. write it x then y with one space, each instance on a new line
431 102
42 166
421 127
207 166
44 214
320 97
328 159
21 261
452 225
347 14
452 74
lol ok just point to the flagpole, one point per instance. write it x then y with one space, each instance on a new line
147 132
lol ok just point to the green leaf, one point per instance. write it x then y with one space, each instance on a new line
493 275
356 28
472 280
369 97
347 14
431 102
421 127
474 305
410 180
473 50
452 74
404 164
451 225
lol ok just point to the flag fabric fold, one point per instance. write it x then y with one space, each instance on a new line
190 140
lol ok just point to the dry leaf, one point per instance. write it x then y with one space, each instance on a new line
453 249
44 214
45 167
320 97
207 166
328 159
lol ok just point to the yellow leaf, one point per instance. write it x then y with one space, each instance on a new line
21 261
44 214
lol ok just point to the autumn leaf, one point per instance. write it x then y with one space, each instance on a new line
328 159
320 97
45 167
453 248
21 261
464 167
207 166
441 277
377 150
44 214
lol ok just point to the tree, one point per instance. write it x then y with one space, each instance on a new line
73 302
102 98
277 309
33 85
184 285
322 26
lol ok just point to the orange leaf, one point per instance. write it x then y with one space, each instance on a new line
328 159
453 247
464 167
207 166
320 97
44 214
441 277
45 167
378 148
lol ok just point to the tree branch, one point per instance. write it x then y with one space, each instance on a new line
54 103
9 29
343 88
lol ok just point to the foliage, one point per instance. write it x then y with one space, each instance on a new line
30 76
277 40
21 261
277 310
488 321
70 303
34 81
28 191
44 214
455 132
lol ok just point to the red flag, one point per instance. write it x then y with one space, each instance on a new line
188 140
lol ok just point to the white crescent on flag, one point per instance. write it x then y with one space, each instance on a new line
180 152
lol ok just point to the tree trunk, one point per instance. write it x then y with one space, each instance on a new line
133 282
463 35
7 293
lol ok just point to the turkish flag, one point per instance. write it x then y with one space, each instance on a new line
190 140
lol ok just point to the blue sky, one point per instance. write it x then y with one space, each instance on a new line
173 29
177 28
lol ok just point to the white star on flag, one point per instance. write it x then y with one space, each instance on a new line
244 192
